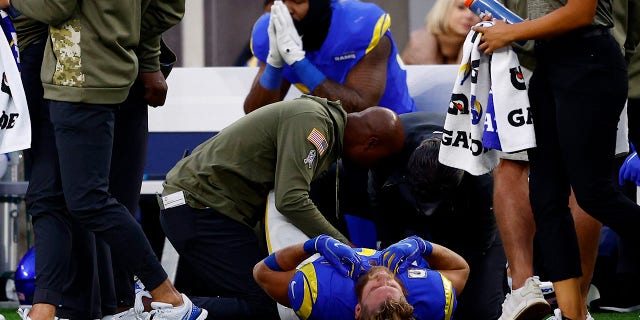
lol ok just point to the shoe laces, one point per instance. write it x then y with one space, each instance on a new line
23 313
164 309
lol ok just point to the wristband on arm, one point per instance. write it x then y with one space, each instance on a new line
310 76
271 77
428 249
272 263
310 245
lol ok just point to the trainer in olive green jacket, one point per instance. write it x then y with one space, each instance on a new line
282 147
90 54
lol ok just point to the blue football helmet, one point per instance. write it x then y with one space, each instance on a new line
25 278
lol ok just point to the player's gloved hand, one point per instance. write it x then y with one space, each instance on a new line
398 256
274 58
342 257
630 169
289 42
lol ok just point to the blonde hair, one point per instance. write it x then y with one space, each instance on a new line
389 310
437 20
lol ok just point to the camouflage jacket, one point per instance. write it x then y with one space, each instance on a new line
281 147
95 48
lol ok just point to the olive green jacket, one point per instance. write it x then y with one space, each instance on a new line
94 47
281 147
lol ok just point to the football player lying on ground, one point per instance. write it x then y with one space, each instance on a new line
410 279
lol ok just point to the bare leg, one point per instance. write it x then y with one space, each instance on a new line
514 217
569 298
167 293
588 231
42 311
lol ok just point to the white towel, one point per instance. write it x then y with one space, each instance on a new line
467 119
15 124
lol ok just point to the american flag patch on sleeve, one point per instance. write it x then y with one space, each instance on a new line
318 140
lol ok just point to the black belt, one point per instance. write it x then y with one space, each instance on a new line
590 32
581 33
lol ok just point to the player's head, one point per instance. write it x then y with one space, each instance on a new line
381 295
371 135
312 19
430 180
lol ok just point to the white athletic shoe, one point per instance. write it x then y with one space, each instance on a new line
526 303
124 315
23 312
557 315
135 313
187 311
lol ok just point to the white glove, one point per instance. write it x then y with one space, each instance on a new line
289 42
274 58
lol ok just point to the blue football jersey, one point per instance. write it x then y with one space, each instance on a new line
317 291
356 28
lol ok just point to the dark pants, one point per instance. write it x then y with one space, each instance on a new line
84 135
219 253
486 286
577 93
57 237
72 283
125 179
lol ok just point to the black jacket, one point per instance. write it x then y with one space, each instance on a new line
464 219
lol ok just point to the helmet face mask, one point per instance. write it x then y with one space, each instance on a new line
25 277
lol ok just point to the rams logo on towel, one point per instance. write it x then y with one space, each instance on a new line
459 104
517 78
476 111
465 69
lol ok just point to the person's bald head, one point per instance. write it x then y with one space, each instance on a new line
371 135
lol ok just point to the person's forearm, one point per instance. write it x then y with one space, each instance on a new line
442 258
293 202
313 223
290 257
275 271
570 17
350 99
48 12
260 96
160 16
449 264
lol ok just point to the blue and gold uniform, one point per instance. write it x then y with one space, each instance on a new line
356 28
318 291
